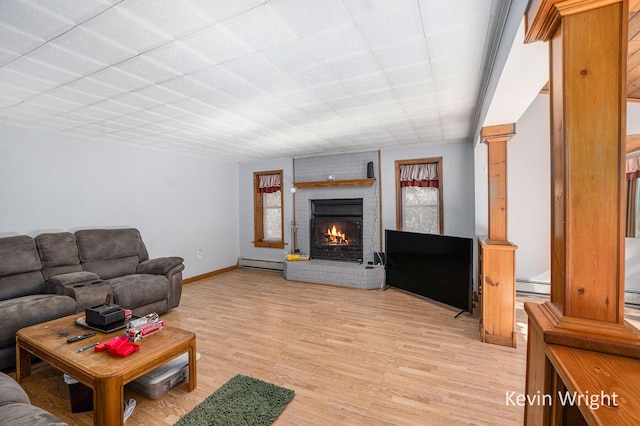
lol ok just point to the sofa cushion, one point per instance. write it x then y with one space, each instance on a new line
18 255
20 414
132 291
99 244
112 268
11 391
29 310
58 252
22 285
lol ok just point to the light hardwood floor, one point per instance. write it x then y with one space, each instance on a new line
353 357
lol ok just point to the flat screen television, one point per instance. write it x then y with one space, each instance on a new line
438 267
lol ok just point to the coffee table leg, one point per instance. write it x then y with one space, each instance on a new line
23 363
193 381
108 400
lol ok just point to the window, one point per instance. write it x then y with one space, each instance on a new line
419 195
267 202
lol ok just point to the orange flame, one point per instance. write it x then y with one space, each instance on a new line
336 237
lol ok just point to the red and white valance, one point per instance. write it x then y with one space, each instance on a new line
421 174
633 168
269 183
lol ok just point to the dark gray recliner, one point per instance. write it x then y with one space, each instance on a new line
93 262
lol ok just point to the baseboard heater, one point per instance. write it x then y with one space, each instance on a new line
631 296
265 265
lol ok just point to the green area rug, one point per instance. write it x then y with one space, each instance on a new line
241 401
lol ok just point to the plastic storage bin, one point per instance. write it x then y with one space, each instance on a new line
158 382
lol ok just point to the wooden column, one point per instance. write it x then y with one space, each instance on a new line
496 255
588 51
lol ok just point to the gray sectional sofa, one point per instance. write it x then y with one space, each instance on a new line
16 408
58 274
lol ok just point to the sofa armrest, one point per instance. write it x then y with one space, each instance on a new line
73 279
159 266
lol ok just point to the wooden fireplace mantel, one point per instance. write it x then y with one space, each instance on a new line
335 183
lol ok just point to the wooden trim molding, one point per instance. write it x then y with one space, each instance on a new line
209 274
543 16
258 225
399 189
633 143
334 183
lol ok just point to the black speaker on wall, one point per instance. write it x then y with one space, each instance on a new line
370 170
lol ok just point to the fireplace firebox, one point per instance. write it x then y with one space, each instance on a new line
336 229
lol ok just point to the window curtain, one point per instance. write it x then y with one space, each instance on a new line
421 174
269 183
633 174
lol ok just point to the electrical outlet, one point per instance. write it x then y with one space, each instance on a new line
199 253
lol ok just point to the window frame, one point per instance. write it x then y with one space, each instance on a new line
438 160
258 212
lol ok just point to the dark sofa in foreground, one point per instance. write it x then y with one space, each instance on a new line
58 274
16 409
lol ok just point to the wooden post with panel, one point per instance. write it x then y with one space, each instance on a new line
496 255
578 342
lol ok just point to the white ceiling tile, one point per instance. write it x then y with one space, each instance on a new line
402 54
178 56
289 56
392 26
307 17
336 43
218 10
64 59
260 27
125 28
439 15
89 44
330 91
25 81
314 76
411 74
227 82
370 83
41 71
216 44
146 69
92 113
77 95
136 100
56 102
33 20
362 8
96 87
187 86
358 65
76 10
15 93
160 94
122 80
176 17
115 107
17 41
7 56
36 108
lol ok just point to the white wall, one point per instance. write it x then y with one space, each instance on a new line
529 195
180 204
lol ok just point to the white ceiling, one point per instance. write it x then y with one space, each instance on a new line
242 80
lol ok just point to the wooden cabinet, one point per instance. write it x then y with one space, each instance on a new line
497 291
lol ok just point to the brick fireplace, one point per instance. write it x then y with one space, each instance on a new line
334 262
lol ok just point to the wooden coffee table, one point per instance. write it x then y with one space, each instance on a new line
105 374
